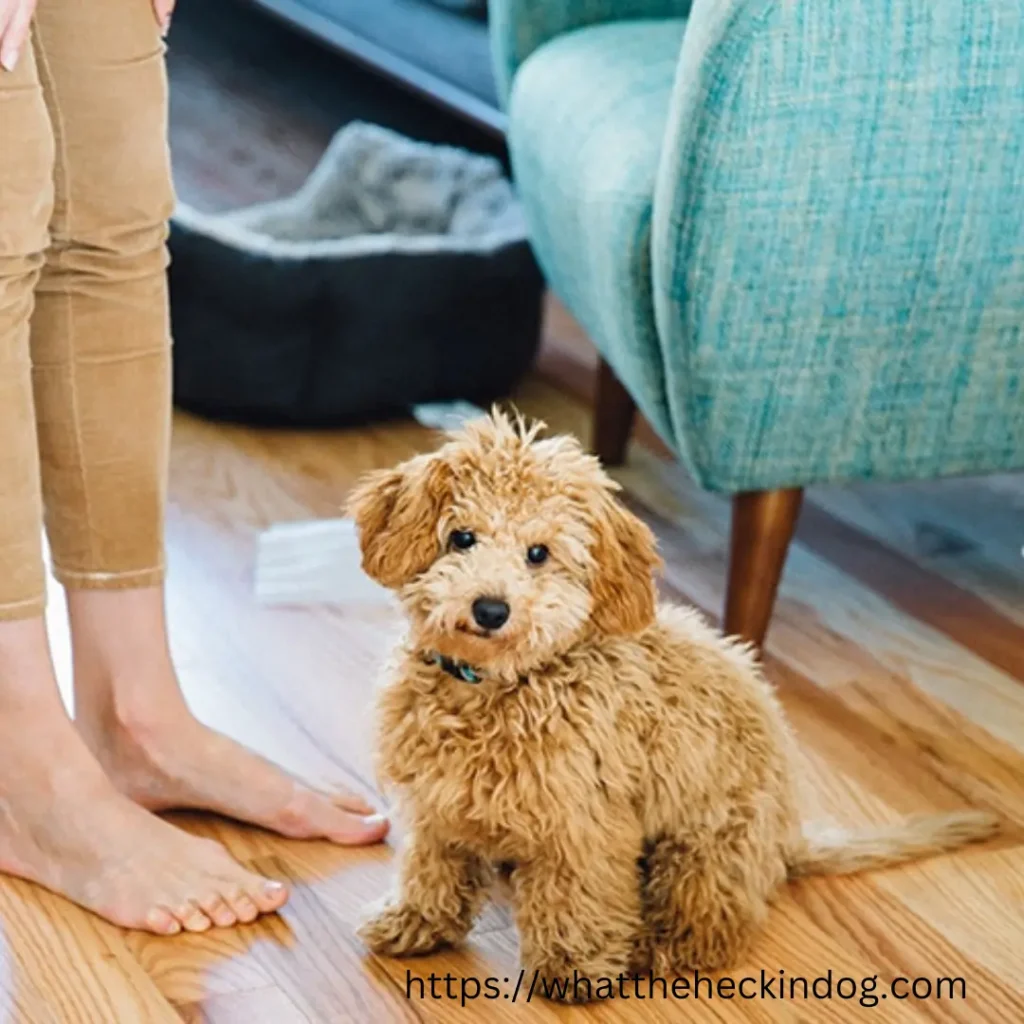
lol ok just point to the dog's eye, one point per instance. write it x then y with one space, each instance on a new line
537 555
462 540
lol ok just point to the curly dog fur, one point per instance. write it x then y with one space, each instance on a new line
632 764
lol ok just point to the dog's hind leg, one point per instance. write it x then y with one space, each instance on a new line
440 891
577 907
706 895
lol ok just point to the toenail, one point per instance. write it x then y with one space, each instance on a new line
162 922
273 888
373 820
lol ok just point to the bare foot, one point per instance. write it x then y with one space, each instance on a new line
129 708
170 760
82 839
64 826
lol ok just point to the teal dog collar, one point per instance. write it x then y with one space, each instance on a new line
456 669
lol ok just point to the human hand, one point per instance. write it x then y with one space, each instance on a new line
163 9
15 18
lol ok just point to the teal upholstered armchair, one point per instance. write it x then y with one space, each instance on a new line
793 228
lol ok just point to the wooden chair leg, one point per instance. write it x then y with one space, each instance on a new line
762 527
614 413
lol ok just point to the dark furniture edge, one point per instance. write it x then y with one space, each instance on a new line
404 73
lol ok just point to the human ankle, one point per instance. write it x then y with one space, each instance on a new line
31 708
121 717
26 669
43 757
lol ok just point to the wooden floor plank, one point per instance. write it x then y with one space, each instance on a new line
929 597
259 1006
877 926
878 758
320 965
798 946
957 529
192 968
75 964
21 998
944 742
976 899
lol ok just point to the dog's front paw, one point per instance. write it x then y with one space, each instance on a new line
401 930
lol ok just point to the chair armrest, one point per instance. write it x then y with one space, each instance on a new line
518 27
838 240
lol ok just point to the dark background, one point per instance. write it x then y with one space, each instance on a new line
254 104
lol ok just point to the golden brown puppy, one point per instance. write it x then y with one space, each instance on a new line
544 710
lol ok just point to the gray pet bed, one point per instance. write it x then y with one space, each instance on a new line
399 273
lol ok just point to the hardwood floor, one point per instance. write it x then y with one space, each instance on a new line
897 652
894 654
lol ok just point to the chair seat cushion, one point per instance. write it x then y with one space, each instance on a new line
587 117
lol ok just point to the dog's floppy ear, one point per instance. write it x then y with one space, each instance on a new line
396 512
625 562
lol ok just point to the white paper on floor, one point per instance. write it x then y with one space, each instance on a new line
314 562
446 415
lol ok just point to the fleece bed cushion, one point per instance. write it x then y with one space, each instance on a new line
400 273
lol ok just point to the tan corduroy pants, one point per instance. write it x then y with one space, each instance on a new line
85 194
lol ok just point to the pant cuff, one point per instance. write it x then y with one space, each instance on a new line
73 579
32 608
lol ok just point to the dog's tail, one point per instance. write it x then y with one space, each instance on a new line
845 853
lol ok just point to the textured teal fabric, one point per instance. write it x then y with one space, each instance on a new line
837 277
586 175
839 241
518 27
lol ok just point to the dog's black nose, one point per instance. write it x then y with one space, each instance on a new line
490 612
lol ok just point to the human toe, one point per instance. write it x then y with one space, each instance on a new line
162 922
268 895
216 907
192 919
311 815
242 904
